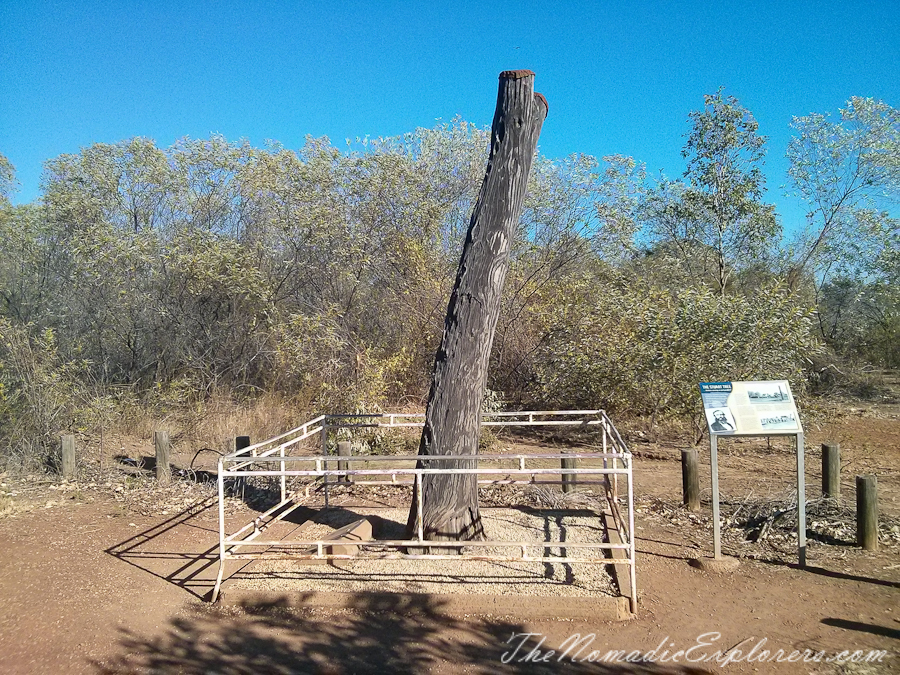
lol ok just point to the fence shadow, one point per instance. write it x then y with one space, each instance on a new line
152 552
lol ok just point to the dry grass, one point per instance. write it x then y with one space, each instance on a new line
8 506
765 526
211 425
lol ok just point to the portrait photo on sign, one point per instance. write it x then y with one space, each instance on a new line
720 420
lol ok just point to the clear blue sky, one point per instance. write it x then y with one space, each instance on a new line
620 77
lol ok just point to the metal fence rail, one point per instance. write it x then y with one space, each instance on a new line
281 457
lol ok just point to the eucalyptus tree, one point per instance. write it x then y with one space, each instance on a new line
579 214
210 183
640 348
124 185
29 272
8 181
848 173
716 220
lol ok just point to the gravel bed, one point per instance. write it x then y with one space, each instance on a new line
447 576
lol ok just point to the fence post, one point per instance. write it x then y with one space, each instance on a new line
831 470
867 512
344 450
240 442
163 448
568 479
690 478
67 456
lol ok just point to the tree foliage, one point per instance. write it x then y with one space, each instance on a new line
641 350
716 222
322 273
848 173
8 182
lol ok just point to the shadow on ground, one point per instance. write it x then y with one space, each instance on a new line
375 636
159 552
875 629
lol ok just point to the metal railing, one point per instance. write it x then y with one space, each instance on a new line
280 457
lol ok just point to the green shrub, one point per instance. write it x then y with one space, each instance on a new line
643 350
41 395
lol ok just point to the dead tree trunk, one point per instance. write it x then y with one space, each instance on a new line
453 414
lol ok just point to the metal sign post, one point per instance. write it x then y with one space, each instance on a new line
714 469
801 501
753 409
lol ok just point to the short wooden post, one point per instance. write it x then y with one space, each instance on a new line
867 512
67 456
568 479
690 478
831 470
163 448
240 442
343 448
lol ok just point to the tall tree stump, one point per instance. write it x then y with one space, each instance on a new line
453 414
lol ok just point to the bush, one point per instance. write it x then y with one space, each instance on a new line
41 394
644 350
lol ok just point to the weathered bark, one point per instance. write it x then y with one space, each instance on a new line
453 413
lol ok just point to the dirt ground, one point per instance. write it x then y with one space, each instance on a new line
103 578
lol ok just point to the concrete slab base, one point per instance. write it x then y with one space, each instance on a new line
714 565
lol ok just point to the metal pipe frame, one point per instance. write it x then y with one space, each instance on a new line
274 455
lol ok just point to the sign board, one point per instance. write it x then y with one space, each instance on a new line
753 409
750 408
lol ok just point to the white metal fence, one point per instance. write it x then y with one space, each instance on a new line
283 457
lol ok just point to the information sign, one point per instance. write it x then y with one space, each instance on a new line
750 408
753 409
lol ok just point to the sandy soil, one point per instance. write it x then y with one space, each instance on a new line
96 582
446 576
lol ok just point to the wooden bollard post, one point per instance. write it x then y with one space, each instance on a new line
67 456
568 479
867 512
831 470
163 448
690 478
343 449
240 442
